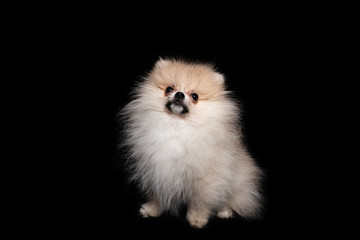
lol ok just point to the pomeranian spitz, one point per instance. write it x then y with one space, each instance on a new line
184 144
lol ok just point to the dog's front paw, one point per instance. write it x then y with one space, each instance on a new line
150 209
225 213
143 212
197 220
198 223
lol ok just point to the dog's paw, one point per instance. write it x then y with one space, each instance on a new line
225 213
197 219
149 209
143 212
198 223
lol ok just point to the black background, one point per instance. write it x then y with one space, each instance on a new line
267 78
275 67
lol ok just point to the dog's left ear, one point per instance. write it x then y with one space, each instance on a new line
219 78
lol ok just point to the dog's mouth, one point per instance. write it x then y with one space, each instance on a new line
177 107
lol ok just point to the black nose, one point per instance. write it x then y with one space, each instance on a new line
179 96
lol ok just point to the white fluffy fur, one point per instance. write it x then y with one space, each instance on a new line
196 158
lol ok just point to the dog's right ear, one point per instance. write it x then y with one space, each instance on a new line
162 63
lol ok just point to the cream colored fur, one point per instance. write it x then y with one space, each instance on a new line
196 158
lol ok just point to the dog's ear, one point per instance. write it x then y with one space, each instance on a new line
162 63
219 78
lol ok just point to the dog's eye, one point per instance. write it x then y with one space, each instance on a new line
194 96
169 90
